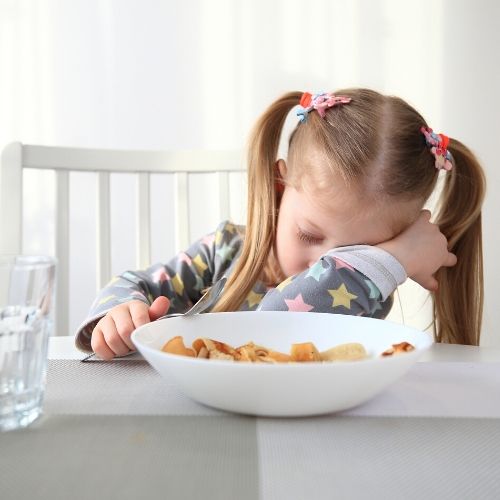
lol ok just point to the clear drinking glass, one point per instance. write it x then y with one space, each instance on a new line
26 321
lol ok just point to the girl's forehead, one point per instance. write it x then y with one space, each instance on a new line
309 168
326 191
308 156
347 205
332 201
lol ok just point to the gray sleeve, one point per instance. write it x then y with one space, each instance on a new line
379 266
349 280
182 280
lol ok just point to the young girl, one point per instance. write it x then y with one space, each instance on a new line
334 228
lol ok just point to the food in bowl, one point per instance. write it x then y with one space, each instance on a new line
205 348
398 349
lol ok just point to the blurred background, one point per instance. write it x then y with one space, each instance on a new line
195 74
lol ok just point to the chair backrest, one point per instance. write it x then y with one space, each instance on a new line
63 160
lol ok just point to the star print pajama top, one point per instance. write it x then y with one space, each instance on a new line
357 280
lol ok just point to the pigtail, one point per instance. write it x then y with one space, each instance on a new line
458 303
262 203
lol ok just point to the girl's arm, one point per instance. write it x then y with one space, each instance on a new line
356 280
181 280
359 280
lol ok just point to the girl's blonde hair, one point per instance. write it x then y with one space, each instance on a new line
374 143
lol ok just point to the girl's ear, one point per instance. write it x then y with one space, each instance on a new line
281 168
280 172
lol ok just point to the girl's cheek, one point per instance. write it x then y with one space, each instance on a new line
319 252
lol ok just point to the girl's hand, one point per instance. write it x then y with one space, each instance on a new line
111 336
422 249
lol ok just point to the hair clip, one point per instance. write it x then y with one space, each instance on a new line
320 103
439 148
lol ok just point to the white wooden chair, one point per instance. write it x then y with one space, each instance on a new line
17 156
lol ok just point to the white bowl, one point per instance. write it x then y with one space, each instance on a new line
289 389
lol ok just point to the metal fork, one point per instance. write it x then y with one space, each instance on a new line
207 300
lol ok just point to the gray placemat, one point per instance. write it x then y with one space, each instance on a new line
130 457
116 387
119 430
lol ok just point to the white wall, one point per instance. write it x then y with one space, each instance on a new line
168 74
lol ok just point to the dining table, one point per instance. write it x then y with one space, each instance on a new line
118 430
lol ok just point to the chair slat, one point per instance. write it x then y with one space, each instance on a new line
11 199
103 226
143 239
62 253
181 197
224 206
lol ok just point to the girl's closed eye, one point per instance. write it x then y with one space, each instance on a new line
308 238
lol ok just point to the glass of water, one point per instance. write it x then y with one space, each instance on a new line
26 318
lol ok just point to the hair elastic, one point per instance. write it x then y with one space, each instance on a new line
439 148
320 103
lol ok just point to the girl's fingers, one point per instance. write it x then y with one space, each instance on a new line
99 345
112 337
426 214
139 313
124 326
430 283
451 259
159 308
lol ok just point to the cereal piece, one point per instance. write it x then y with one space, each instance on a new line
203 353
260 351
256 353
216 349
279 357
304 352
176 346
246 353
351 351
398 349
